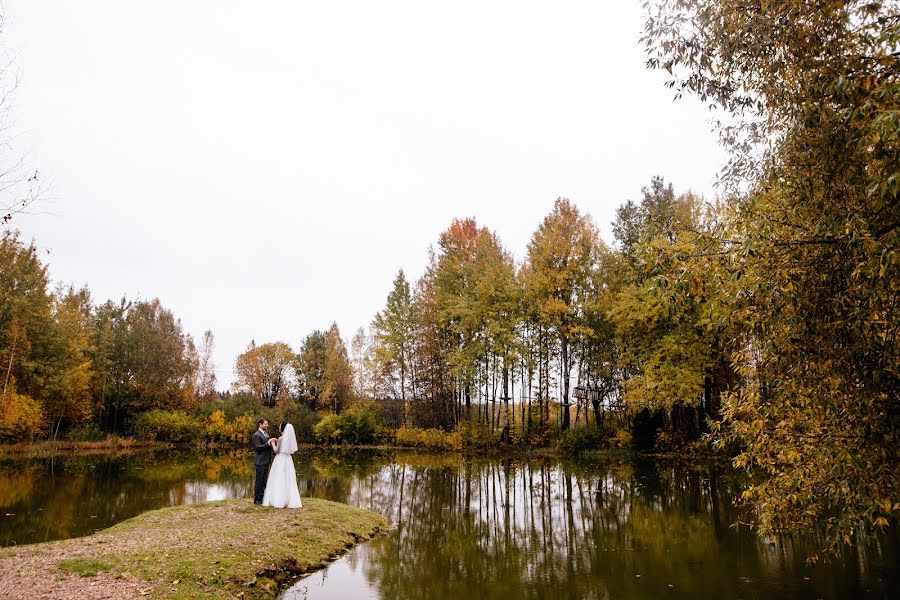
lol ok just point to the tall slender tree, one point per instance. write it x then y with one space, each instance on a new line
393 330
454 275
338 392
497 303
359 346
205 375
309 369
562 256
69 401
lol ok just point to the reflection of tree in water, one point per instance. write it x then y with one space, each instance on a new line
75 495
541 529
16 484
334 474
476 527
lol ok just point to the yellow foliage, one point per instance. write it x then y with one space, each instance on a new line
431 439
20 416
219 429
215 422
621 438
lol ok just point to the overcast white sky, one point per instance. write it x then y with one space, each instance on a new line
265 168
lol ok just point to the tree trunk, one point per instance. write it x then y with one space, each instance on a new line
12 353
530 383
403 389
468 402
564 405
505 434
541 384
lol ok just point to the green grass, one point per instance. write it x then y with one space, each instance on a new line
86 567
215 549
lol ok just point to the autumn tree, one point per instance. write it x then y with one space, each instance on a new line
265 371
26 330
453 277
496 300
142 360
69 401
672 344
812 97
325 378
338 390
309 368
204 382
362 363
110 383
393 333
561 258
157 356
600 348
438 405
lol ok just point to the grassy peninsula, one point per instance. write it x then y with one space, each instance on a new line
223 549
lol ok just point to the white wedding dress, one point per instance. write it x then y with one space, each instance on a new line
281 489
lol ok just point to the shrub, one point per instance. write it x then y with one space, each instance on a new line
167 426
575 441
242 428
86 432
233 418
358 426
216 427
353 426
621 438
473 434
327 430
665 441
539 434
518 435
384 435
431 439
20 414
219 429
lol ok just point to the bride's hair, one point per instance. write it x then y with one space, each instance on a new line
283 425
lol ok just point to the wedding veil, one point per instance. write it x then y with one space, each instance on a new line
288 443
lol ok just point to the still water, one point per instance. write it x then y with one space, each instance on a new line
475 527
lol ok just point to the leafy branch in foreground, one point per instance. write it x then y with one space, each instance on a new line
809 251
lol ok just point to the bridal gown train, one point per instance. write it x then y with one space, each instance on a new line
281 489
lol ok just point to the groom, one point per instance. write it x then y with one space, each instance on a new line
262 454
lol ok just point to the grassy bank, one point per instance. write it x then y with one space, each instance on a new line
49 447
222 549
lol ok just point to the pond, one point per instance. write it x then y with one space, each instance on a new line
475 527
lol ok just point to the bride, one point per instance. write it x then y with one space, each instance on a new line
281 489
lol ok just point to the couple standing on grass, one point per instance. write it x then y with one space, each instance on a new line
276 487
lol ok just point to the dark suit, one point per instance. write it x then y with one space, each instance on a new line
262 454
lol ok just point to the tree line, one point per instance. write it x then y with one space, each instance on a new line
575 329
481 339
68 363
319 377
